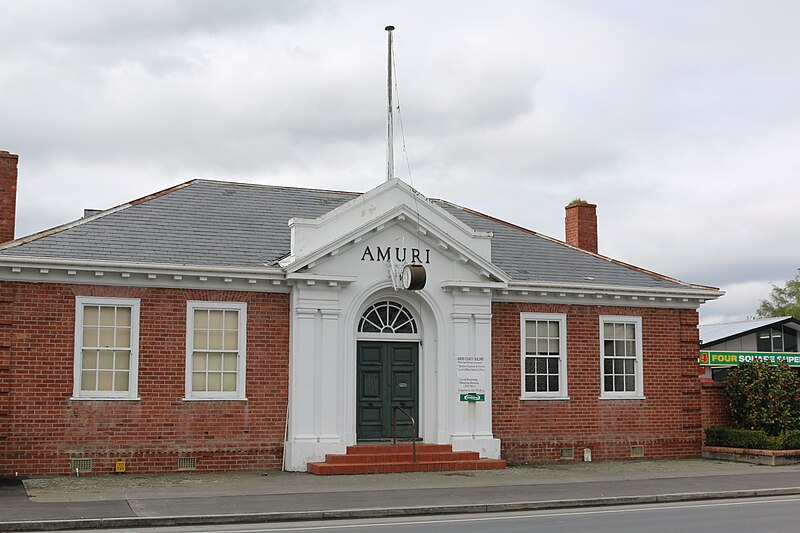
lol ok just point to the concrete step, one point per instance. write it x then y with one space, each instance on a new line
328 469
396 457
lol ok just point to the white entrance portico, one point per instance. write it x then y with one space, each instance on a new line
341 264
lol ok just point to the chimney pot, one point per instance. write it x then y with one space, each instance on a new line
8 195
581 225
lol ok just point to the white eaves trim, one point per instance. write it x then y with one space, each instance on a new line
42 270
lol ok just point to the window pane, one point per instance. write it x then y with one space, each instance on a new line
122 361
229 362
121 381
215 361
123 316
201 319
200 340
608 366
789 340
90 314
106 360
231 340
89 359
629 366
214 382
231 319
608 383
630 331
630 384
608 331
619 331
541 346
106 337
229 382
553 383
630 347
553 329
530 328
123 338
530 346
90 336
107 316
619 383
215 339
553 348
764 342
552 366
530 365
530 384
105 380
541 365
88 380
541 329
215 319
609 348
199 361
541 383
619 347
777 341
198 381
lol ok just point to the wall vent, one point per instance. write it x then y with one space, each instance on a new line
187 463
567 453
637 451
81 465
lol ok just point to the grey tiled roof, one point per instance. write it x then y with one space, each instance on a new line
221 224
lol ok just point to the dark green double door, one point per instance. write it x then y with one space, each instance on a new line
388 375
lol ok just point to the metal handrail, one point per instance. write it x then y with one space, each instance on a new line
395 408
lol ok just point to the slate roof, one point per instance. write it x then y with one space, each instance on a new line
223 224
714 333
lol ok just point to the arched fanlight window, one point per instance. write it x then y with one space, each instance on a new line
387 317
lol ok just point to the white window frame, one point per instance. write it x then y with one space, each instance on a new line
133 385
638 394
239 393
561 394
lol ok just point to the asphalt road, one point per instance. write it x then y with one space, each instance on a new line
764 515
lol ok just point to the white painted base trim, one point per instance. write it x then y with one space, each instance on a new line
299 454
486 445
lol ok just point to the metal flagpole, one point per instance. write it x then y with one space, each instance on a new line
389 116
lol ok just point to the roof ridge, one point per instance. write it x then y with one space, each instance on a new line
267 186
567 245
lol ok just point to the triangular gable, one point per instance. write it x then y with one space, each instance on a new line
393 202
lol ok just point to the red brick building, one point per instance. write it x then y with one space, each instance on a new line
224 326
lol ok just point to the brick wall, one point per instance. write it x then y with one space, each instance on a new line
43 429
715 406
667 423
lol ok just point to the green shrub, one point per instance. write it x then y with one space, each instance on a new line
755 439
790 440
765 397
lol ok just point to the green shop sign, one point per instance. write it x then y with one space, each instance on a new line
472 397
708 358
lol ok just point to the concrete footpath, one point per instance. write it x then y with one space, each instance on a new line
194 498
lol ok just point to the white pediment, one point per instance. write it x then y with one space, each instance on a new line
393 204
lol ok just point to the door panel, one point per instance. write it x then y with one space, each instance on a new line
388 374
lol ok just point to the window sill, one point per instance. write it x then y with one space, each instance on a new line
543 398
103 399
214 399
622 398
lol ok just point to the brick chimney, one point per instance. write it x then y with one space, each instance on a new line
8 195
581 225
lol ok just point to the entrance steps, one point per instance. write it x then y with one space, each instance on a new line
392 458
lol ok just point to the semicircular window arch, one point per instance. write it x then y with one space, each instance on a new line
387 316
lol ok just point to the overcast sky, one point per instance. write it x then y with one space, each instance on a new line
680 119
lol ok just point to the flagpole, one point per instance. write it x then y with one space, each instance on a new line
389 116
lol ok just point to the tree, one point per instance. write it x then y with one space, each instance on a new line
782 301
